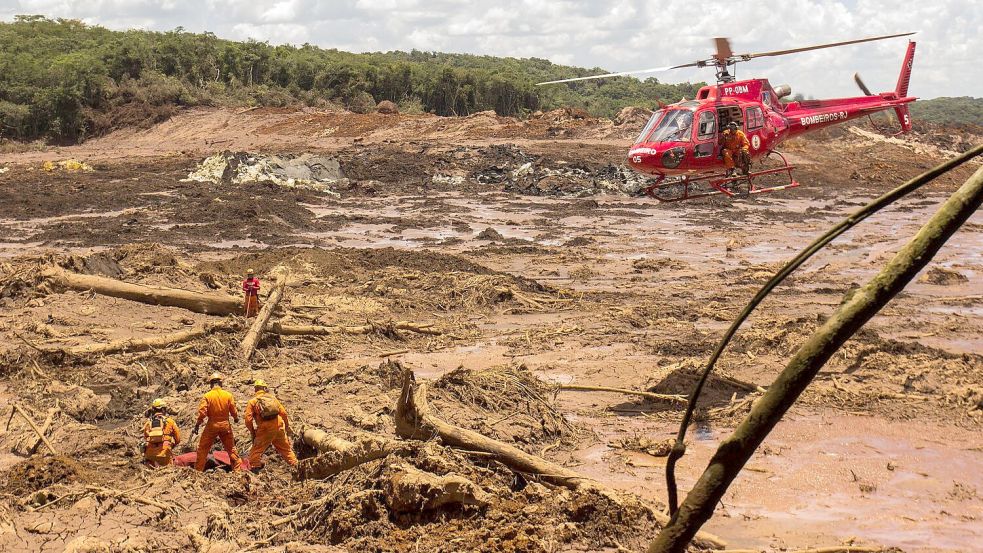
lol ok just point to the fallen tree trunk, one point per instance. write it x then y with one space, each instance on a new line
365 449
315 330
141 344
199 302
414 420
646 395
252 337
850 316
322 441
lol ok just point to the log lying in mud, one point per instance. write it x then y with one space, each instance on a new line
199 302
141 344
414 420
251 340
334 461
647 395
322 441
314 330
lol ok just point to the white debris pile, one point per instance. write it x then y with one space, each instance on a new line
308 171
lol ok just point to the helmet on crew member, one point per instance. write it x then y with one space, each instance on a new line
250 272
260 384
215 377
733 125
158 404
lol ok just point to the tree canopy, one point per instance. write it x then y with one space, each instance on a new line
66 80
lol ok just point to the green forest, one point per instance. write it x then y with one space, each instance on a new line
64 80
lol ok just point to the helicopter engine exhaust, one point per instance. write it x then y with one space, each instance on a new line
783 90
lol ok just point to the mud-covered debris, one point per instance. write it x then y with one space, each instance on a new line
79 402
543 176
506 402
940 276
655 448
308 171
409 490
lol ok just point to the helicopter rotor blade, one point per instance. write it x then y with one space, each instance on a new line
621 74
723 49
818 46
860 83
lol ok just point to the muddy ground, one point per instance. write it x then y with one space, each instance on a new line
521 244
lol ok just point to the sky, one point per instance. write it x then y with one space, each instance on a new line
617 35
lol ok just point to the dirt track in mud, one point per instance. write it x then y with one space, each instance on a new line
554 271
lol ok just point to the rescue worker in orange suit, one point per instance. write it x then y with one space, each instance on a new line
250 287
160 434
736 149
217 405
267 421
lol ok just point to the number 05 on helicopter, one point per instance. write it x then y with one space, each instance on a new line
683 144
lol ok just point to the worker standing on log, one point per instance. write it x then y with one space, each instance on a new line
160 434
250 288
267 421
217 406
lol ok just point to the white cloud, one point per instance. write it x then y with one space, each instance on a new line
617 35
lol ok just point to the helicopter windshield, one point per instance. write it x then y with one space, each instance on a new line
648 126
674 127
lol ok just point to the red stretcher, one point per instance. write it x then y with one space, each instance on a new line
216 459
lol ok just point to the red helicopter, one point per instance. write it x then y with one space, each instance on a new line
686 158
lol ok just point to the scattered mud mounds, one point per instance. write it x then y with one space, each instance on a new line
940 276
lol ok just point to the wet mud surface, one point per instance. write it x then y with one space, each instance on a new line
563 281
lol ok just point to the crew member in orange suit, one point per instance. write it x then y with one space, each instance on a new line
217 406
250 287
267 421
160 434
735 148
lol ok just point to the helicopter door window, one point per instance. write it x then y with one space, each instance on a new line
755 119
707 127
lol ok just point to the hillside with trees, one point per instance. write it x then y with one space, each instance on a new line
64 80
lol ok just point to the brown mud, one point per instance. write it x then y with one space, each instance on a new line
521 244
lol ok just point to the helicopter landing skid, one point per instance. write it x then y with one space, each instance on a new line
689 188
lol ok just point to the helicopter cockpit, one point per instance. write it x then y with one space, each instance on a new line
671 124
